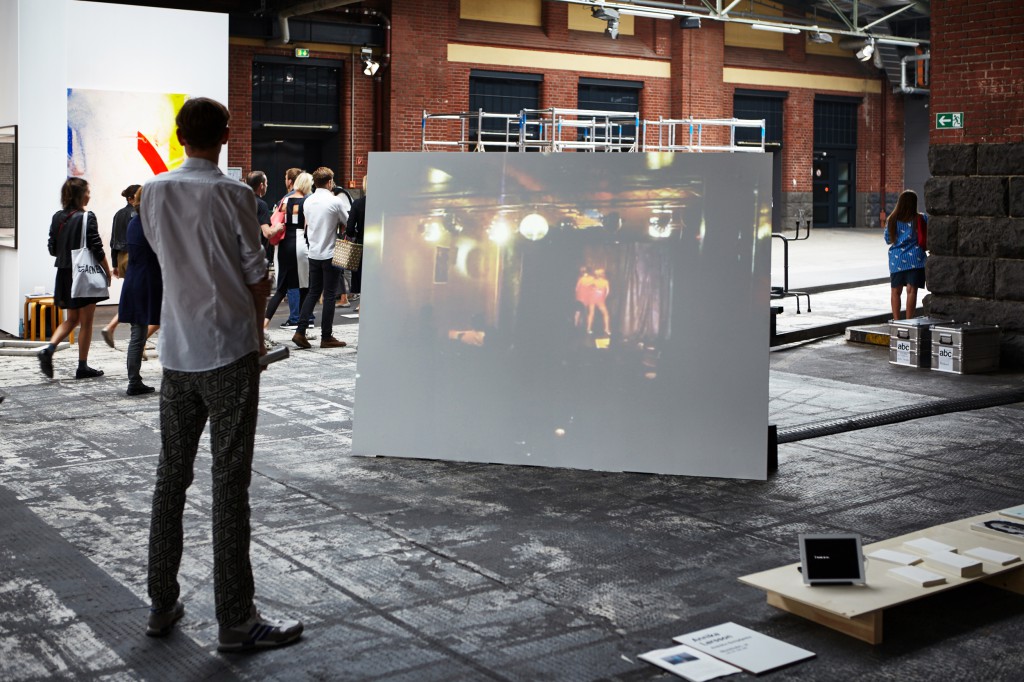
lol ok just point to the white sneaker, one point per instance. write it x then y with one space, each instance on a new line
259 633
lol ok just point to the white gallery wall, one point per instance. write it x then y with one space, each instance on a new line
54 45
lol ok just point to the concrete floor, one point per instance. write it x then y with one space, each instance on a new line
423 570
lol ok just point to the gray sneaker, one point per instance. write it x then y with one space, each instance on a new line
259 633
162 622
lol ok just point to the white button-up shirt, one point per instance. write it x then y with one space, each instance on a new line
324 213
203 227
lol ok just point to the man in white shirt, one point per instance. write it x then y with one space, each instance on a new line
325 214
204 230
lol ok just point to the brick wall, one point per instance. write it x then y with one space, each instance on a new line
976 194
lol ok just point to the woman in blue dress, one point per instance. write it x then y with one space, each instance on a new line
141 296
906 257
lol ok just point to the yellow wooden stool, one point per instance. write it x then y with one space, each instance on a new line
35 322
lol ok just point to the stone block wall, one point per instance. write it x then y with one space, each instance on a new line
976 238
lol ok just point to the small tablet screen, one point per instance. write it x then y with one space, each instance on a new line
835 558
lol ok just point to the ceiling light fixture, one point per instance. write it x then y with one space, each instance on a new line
689 22
370 65
865 53
774 28
611 16
819 37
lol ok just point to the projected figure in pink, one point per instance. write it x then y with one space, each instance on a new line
584 291
600 289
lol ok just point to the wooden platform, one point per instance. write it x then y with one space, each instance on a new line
858 610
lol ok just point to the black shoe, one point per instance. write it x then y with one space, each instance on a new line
88 373
139 389
45 356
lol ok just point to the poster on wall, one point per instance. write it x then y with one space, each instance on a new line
592 311
9 186
117 139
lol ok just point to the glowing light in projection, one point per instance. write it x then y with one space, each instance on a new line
533 227
433 229
500 231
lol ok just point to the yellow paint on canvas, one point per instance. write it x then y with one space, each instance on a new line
177 153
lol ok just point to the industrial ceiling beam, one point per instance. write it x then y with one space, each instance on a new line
678 10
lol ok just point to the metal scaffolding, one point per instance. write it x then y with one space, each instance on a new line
468 131
687 135
586 130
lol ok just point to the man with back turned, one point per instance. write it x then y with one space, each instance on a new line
204 230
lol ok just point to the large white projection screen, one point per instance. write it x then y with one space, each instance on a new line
592 311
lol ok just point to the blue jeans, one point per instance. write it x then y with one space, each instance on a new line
294 305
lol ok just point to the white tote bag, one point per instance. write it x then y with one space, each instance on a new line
88 280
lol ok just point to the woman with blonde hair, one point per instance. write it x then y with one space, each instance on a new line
66 235
292 252
903 232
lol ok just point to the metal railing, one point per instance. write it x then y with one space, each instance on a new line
586 130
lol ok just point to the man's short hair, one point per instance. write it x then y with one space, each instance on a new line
322 176
201 122
255 179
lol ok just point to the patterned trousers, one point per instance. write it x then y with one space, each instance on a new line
229 397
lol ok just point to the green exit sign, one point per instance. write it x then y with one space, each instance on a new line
949 119
302 52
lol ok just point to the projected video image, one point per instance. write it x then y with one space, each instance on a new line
599 311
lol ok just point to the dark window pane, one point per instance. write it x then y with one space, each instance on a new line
500 96
295 93
835 124
610 98
753 107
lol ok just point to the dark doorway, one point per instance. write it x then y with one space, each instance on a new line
273 154
296 117
835 153
833 189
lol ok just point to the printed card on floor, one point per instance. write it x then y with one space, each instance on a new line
743 647
689 663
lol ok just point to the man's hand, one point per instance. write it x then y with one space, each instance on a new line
260 291
116 273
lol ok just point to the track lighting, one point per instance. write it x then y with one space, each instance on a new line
865 53
611 16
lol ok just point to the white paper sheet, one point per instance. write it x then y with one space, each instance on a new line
689 663
744 647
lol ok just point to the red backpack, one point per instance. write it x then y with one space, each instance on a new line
922 232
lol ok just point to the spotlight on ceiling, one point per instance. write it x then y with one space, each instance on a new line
865 53
611 16
820 38
370 65
689 22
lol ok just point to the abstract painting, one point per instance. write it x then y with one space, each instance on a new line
117 139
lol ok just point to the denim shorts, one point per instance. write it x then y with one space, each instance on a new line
914 278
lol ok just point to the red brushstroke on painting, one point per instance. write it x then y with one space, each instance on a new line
151 155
